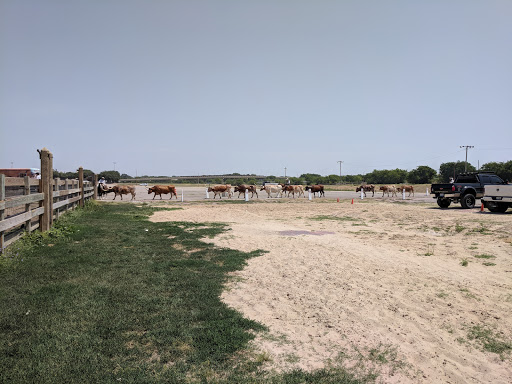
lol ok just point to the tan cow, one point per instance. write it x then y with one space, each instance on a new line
388 189
293 189
220 189
123 190
277 189
407 188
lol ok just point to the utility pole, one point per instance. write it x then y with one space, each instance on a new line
339 161
285 172
466 163
115 165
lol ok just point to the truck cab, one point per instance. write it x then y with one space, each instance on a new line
466 188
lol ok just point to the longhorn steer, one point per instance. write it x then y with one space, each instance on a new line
123 190
220 189
366 188
407 188
242 187
316 188
272 189
293 189
387 189
163 189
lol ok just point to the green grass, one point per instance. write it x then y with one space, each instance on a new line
485 256
490 341
109 297
335 218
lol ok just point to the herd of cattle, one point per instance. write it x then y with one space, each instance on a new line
280 190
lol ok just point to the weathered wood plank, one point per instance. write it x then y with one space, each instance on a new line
21 200
65 192
65 202
19 182
19 219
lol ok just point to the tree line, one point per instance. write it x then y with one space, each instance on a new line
420 175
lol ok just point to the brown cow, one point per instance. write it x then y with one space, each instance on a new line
220 189
366 188
293 189
123 190
387 189
408 188
242 187
165 189
316 188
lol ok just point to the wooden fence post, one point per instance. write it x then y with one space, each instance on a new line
66 188
46 218
95 184
2 213
81 185
26 191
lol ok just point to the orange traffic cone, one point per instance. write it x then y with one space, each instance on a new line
338 199
352 201
482 208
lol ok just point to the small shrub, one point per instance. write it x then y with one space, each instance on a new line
464 262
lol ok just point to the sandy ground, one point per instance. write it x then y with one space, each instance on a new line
374 285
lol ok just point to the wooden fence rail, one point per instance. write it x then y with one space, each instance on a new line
38 210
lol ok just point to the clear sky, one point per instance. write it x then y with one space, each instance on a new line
164 87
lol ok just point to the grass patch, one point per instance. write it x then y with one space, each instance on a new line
483 230
117 298
464 262
459 228
467 293
485 256
490 341
335 218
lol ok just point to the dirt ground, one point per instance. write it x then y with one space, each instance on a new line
404 289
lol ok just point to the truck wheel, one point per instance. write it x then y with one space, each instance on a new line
468 201
496 207
443 203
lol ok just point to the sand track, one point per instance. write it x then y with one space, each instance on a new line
386 280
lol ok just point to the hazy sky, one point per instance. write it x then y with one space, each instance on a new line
163 87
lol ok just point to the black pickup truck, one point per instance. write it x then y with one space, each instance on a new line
466 188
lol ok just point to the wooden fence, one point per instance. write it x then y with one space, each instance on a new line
42 201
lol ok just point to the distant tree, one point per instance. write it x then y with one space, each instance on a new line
110 176
353 179
125 176
312 178
421 175
394 176
503 170
452 169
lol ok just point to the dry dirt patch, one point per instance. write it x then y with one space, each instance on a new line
392 286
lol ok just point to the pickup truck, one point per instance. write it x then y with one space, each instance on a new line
466 188
497 198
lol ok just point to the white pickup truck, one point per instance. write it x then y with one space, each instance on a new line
497 198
